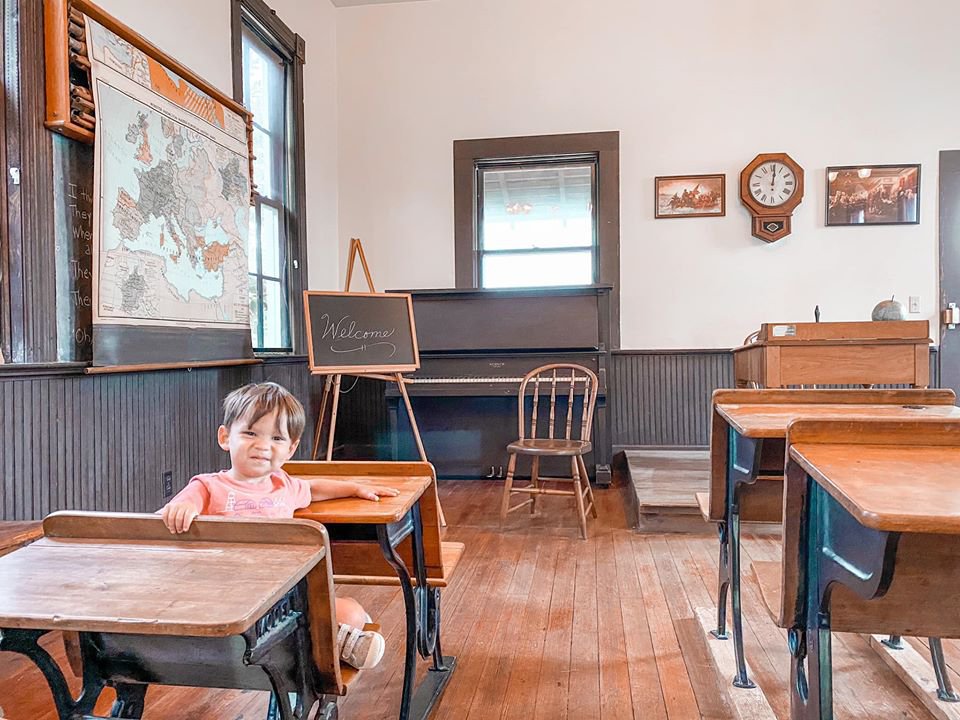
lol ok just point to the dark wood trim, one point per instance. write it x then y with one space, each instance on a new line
604 145
13 288
293 48
672 351
297 245
5 90
35 197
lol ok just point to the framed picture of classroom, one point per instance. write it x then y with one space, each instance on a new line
873 195
690 196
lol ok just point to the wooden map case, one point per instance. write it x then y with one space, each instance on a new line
70 108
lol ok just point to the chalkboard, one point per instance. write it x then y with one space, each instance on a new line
73 211
355 333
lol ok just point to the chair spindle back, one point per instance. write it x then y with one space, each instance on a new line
576 380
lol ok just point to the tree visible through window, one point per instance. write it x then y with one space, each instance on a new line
265 93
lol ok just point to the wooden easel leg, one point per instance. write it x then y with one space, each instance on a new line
328 381
401 386
333 415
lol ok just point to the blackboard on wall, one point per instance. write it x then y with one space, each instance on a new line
73 209
356 333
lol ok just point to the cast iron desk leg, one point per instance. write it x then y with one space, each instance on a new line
836 549
27 642
743 467
423 619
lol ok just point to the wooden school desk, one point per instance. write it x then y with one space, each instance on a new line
237 604
835 353
396 525
16 534
864 551
747 457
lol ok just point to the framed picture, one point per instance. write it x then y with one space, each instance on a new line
873 195
691 196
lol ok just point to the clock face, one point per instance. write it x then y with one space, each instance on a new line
772 183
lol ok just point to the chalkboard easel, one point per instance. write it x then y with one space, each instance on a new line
383 351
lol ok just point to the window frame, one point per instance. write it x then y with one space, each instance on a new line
293 257
469 155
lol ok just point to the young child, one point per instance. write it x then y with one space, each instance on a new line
262 425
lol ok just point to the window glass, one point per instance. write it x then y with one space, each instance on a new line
265 91
508 270
539 207
273 311
270 241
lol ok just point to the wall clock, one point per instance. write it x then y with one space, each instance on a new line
771 186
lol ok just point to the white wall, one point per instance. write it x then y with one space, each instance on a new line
701 86
197 33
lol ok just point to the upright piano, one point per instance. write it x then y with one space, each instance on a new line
475 347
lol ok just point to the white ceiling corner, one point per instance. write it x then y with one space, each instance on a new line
354 3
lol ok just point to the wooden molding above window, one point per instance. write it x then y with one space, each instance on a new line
605 146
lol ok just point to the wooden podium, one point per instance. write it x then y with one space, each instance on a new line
838 353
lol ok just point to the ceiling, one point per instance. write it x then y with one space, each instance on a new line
353 3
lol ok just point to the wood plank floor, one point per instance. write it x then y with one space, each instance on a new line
547 626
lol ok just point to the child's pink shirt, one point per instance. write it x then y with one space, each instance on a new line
276 496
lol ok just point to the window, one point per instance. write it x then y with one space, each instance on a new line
536 223
270 84
539 211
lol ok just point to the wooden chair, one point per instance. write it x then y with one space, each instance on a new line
579 386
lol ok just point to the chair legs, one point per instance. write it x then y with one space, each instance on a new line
586 477
582 492
578 493
534 478
507 486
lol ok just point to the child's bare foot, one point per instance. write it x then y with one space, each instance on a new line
359 648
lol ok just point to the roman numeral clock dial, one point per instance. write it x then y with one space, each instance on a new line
771 186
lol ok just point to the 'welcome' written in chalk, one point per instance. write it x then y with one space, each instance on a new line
344 332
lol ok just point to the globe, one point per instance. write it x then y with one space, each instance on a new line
889 310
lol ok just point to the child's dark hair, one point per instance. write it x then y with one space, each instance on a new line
251 402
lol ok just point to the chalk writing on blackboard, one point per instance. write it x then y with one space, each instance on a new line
360 332
73 212
346 337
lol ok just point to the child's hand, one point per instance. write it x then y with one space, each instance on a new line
178 517
374 492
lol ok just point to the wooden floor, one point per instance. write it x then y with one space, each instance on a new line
547 626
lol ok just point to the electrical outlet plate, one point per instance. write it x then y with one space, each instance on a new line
914 304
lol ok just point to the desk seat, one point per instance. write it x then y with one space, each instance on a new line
451 553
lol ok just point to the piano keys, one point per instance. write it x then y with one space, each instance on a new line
475 348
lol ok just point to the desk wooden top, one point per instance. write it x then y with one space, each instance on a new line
889 487
771 421
113 572
14 534
367 512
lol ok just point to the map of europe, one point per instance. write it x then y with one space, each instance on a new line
173 213
115 53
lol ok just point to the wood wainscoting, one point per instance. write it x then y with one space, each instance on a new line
70 441
661 398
